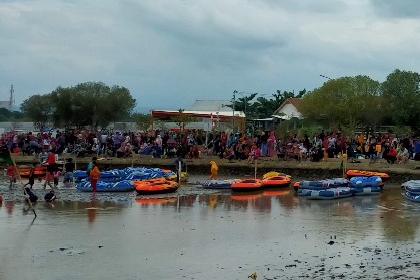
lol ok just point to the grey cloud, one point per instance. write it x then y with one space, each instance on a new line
171 52
322 7
397 8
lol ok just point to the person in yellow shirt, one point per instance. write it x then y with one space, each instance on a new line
378 149
214 169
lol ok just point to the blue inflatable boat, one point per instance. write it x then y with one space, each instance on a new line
366 185
333 193
367 190
411 196
361 182
412 186
217 184
324 184
122 186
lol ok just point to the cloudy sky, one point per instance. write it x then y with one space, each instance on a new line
169 53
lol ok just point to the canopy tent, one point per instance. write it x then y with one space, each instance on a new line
235 117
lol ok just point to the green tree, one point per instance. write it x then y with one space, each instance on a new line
63 115
402 96
143 122
346 101
91 104
39 108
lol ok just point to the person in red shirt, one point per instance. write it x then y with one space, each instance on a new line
11 173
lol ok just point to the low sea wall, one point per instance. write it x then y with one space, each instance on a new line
399 173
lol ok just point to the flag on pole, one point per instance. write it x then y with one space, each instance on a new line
5 157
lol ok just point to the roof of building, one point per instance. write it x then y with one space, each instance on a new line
211 105
293 101
164 114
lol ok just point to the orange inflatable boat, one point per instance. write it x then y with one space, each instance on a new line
296 185
247 185
39 171
158 187
360 173
280 181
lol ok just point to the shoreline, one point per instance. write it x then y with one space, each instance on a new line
399 173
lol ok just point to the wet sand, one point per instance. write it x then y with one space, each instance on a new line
206 234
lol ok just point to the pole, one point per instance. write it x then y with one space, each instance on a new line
179 172
233 110
20 180
255 170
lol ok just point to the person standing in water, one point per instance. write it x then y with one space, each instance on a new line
90 165
94 176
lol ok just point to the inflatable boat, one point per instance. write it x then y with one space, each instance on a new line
360 182
39 172
217 184
360 173
324 184
157 187
247 185
412 186
272 174
333 193
411 196
101 186
366 185
279 181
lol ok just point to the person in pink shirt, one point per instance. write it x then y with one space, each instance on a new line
271 141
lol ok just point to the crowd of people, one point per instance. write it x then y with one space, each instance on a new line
193 144
231 146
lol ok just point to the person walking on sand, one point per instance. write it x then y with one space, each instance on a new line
31 180
56 177
214 170
49 176
94 176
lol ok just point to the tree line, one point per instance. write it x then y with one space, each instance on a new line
345 102
360 101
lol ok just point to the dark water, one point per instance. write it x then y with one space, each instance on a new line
200 234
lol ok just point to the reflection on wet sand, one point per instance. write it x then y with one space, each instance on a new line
10 204
156 200
350 238
91 210
399 219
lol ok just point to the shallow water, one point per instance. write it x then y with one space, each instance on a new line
205 234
